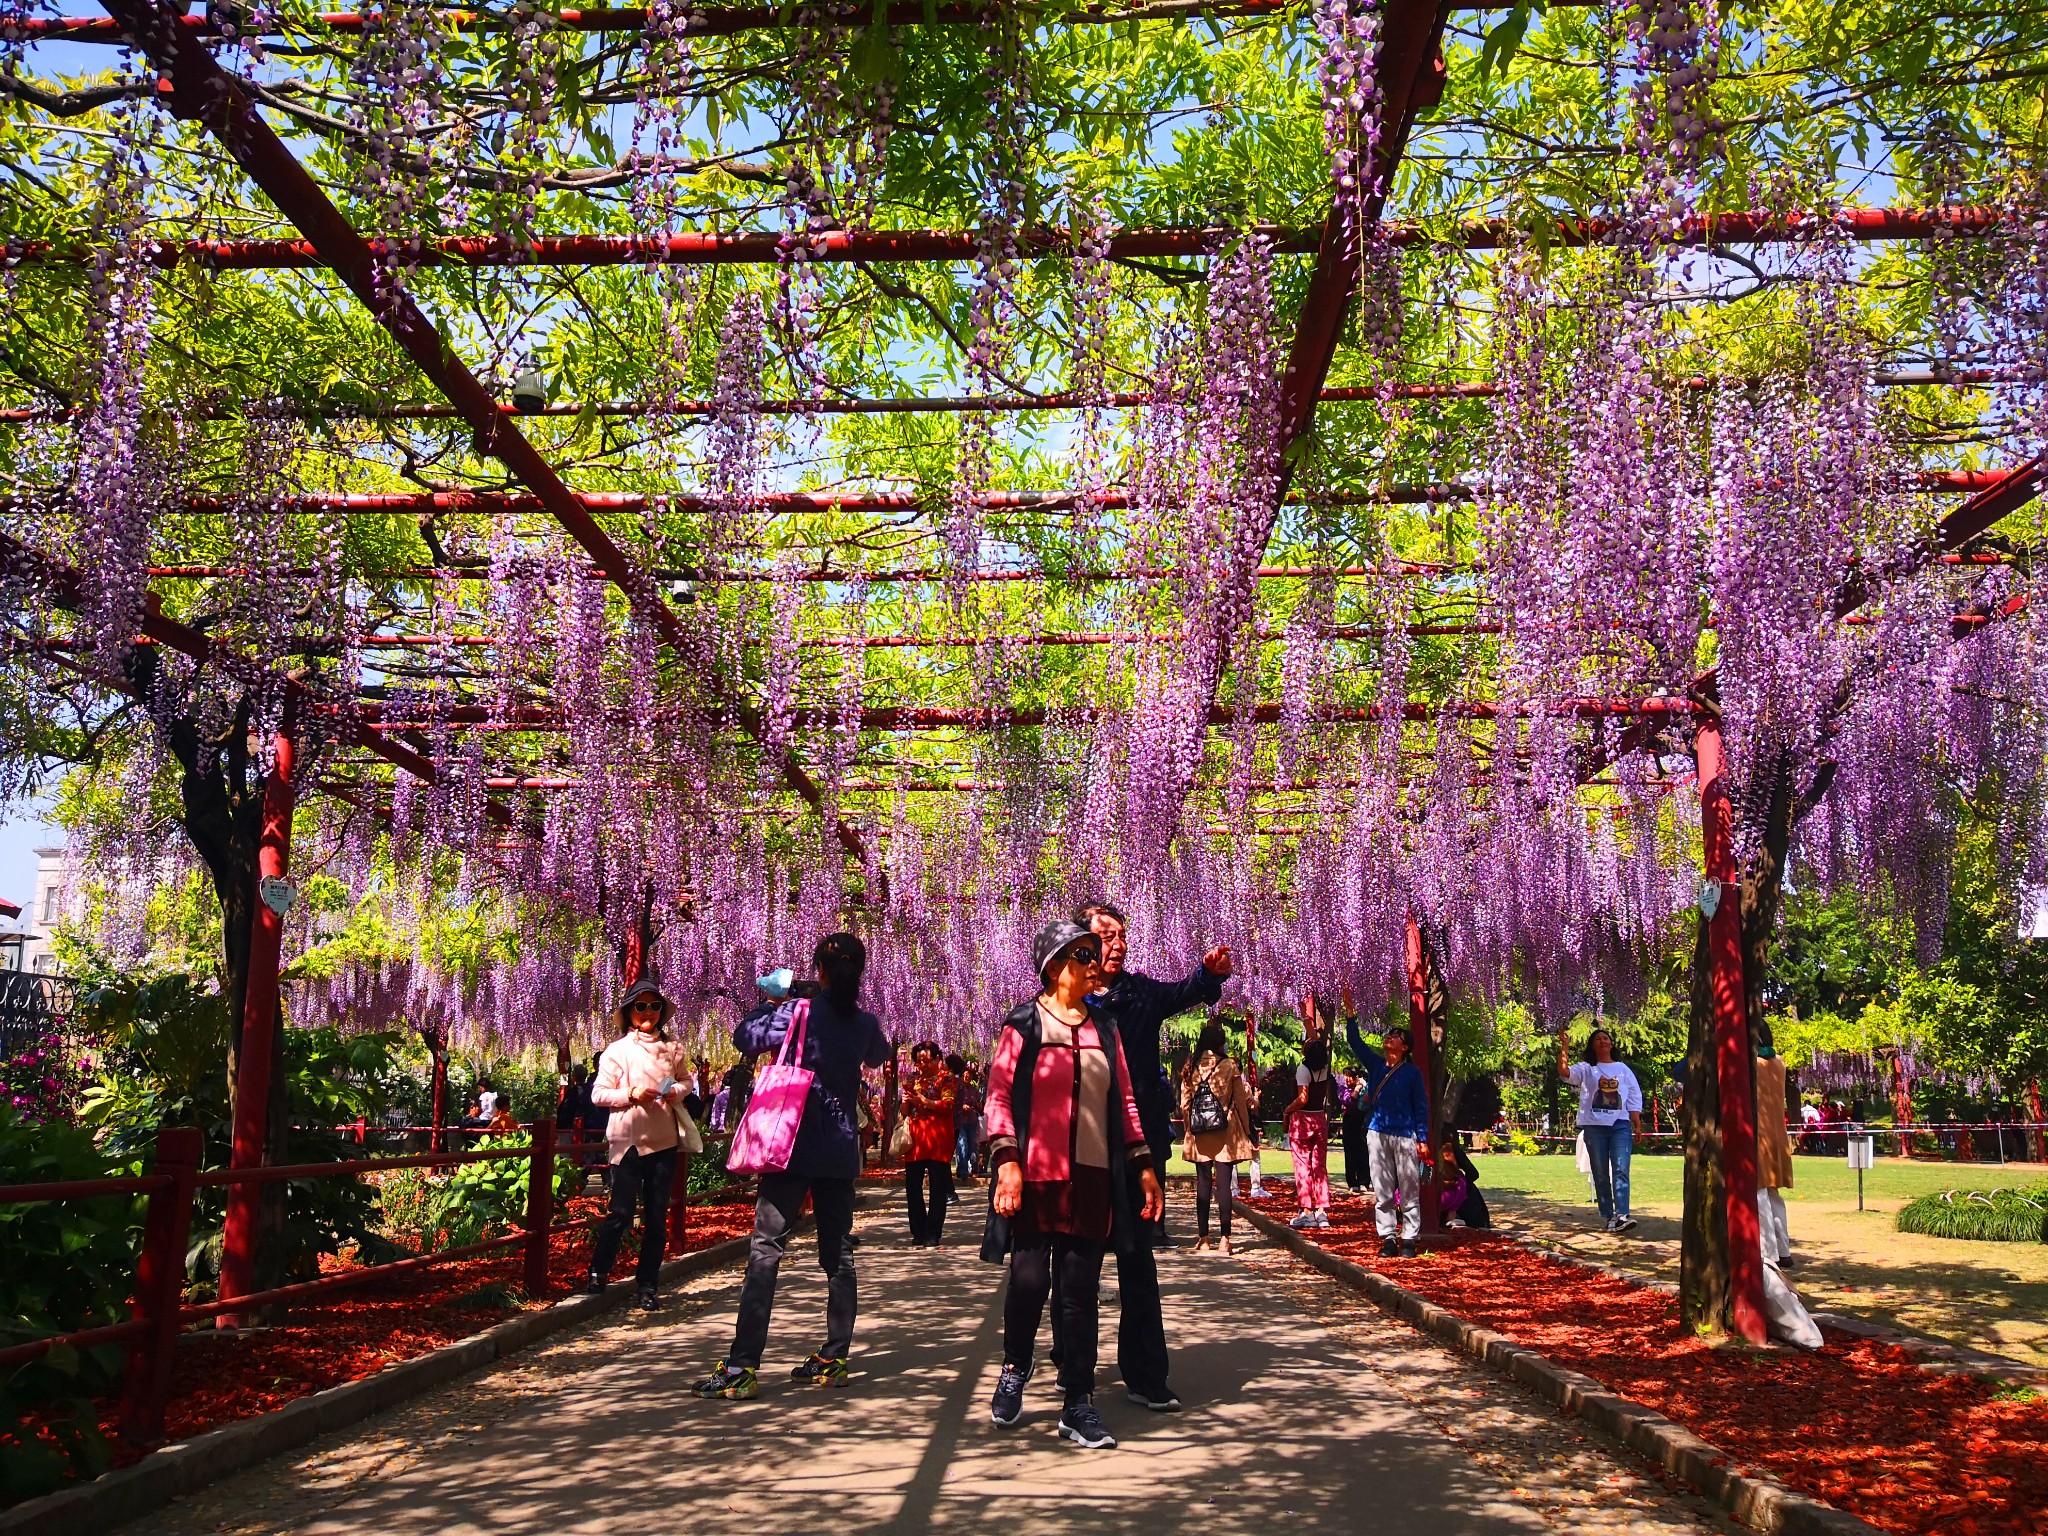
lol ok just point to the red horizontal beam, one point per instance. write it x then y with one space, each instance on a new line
1905 378
738 247
502 504
1144 573
709 21
325 643
893 718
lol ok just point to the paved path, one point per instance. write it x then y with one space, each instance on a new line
1304 1406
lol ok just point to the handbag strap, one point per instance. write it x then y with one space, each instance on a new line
799 1024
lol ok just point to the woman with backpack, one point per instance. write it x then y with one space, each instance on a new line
1216 1109
1308 1133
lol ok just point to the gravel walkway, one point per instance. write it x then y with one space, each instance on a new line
1304 1405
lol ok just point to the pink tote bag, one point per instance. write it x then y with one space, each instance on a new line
767 1131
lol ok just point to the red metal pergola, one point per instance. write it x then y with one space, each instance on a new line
193 86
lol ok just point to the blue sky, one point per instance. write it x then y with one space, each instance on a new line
22 832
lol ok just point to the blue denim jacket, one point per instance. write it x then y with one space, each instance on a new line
837 1044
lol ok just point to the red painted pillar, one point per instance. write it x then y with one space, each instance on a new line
1423 1054
438 1141
1731 1043
159 1287
259 1014
540 1206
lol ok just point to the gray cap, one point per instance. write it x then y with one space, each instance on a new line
1054 940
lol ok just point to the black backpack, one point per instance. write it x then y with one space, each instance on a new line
1206 1115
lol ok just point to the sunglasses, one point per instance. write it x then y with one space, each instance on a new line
1085 954
646 1005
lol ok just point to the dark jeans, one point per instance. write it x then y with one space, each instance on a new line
927 1222
1077 1263
637 1174
1357 1160
1219 1180
781 1201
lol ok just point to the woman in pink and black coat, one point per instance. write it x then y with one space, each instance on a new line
1062 1127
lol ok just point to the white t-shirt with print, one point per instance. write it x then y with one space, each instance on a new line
1608 1092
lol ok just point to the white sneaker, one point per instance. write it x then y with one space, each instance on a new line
1304 1221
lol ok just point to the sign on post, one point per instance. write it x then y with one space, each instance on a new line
1862 1155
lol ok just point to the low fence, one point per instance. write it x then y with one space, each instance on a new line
160 1312
1970 1141
1981 1141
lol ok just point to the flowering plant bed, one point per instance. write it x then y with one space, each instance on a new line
218 1379
1857 1424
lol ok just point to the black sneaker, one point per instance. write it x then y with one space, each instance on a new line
820 1371
1624 1223
1008 1406
650 1299
1388 1247
732 1382
1159 1399
1083 1425
1407 1250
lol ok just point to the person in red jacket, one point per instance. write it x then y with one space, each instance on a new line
930 1095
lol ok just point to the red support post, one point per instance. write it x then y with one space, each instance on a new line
1422 1051
259 1018
159 1287
1732 1057
679 1206
438 1141
540 1207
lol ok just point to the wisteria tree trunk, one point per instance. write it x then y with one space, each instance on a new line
221 789
1705 1290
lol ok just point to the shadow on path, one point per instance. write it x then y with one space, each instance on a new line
1283 1422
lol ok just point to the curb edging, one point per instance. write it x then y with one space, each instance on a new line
172 1470
1758 1502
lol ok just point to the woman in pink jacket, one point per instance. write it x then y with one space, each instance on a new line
1062 1126
637 1081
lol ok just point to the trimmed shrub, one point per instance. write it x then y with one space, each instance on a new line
1985 1216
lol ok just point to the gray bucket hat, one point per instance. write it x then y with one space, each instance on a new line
1054 940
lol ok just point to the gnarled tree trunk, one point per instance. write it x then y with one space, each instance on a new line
1705 1290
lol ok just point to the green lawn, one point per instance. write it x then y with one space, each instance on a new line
1990 1296
1659 1180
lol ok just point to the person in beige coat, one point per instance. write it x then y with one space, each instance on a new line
1773 1156
638 1081
1216 1108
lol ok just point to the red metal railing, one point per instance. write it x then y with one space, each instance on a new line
159 1311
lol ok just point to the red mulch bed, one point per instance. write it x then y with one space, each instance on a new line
1857 1424
380 1323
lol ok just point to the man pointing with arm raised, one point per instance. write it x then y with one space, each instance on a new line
1139 1005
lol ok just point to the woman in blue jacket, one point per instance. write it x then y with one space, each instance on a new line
1397 1132
840 1038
